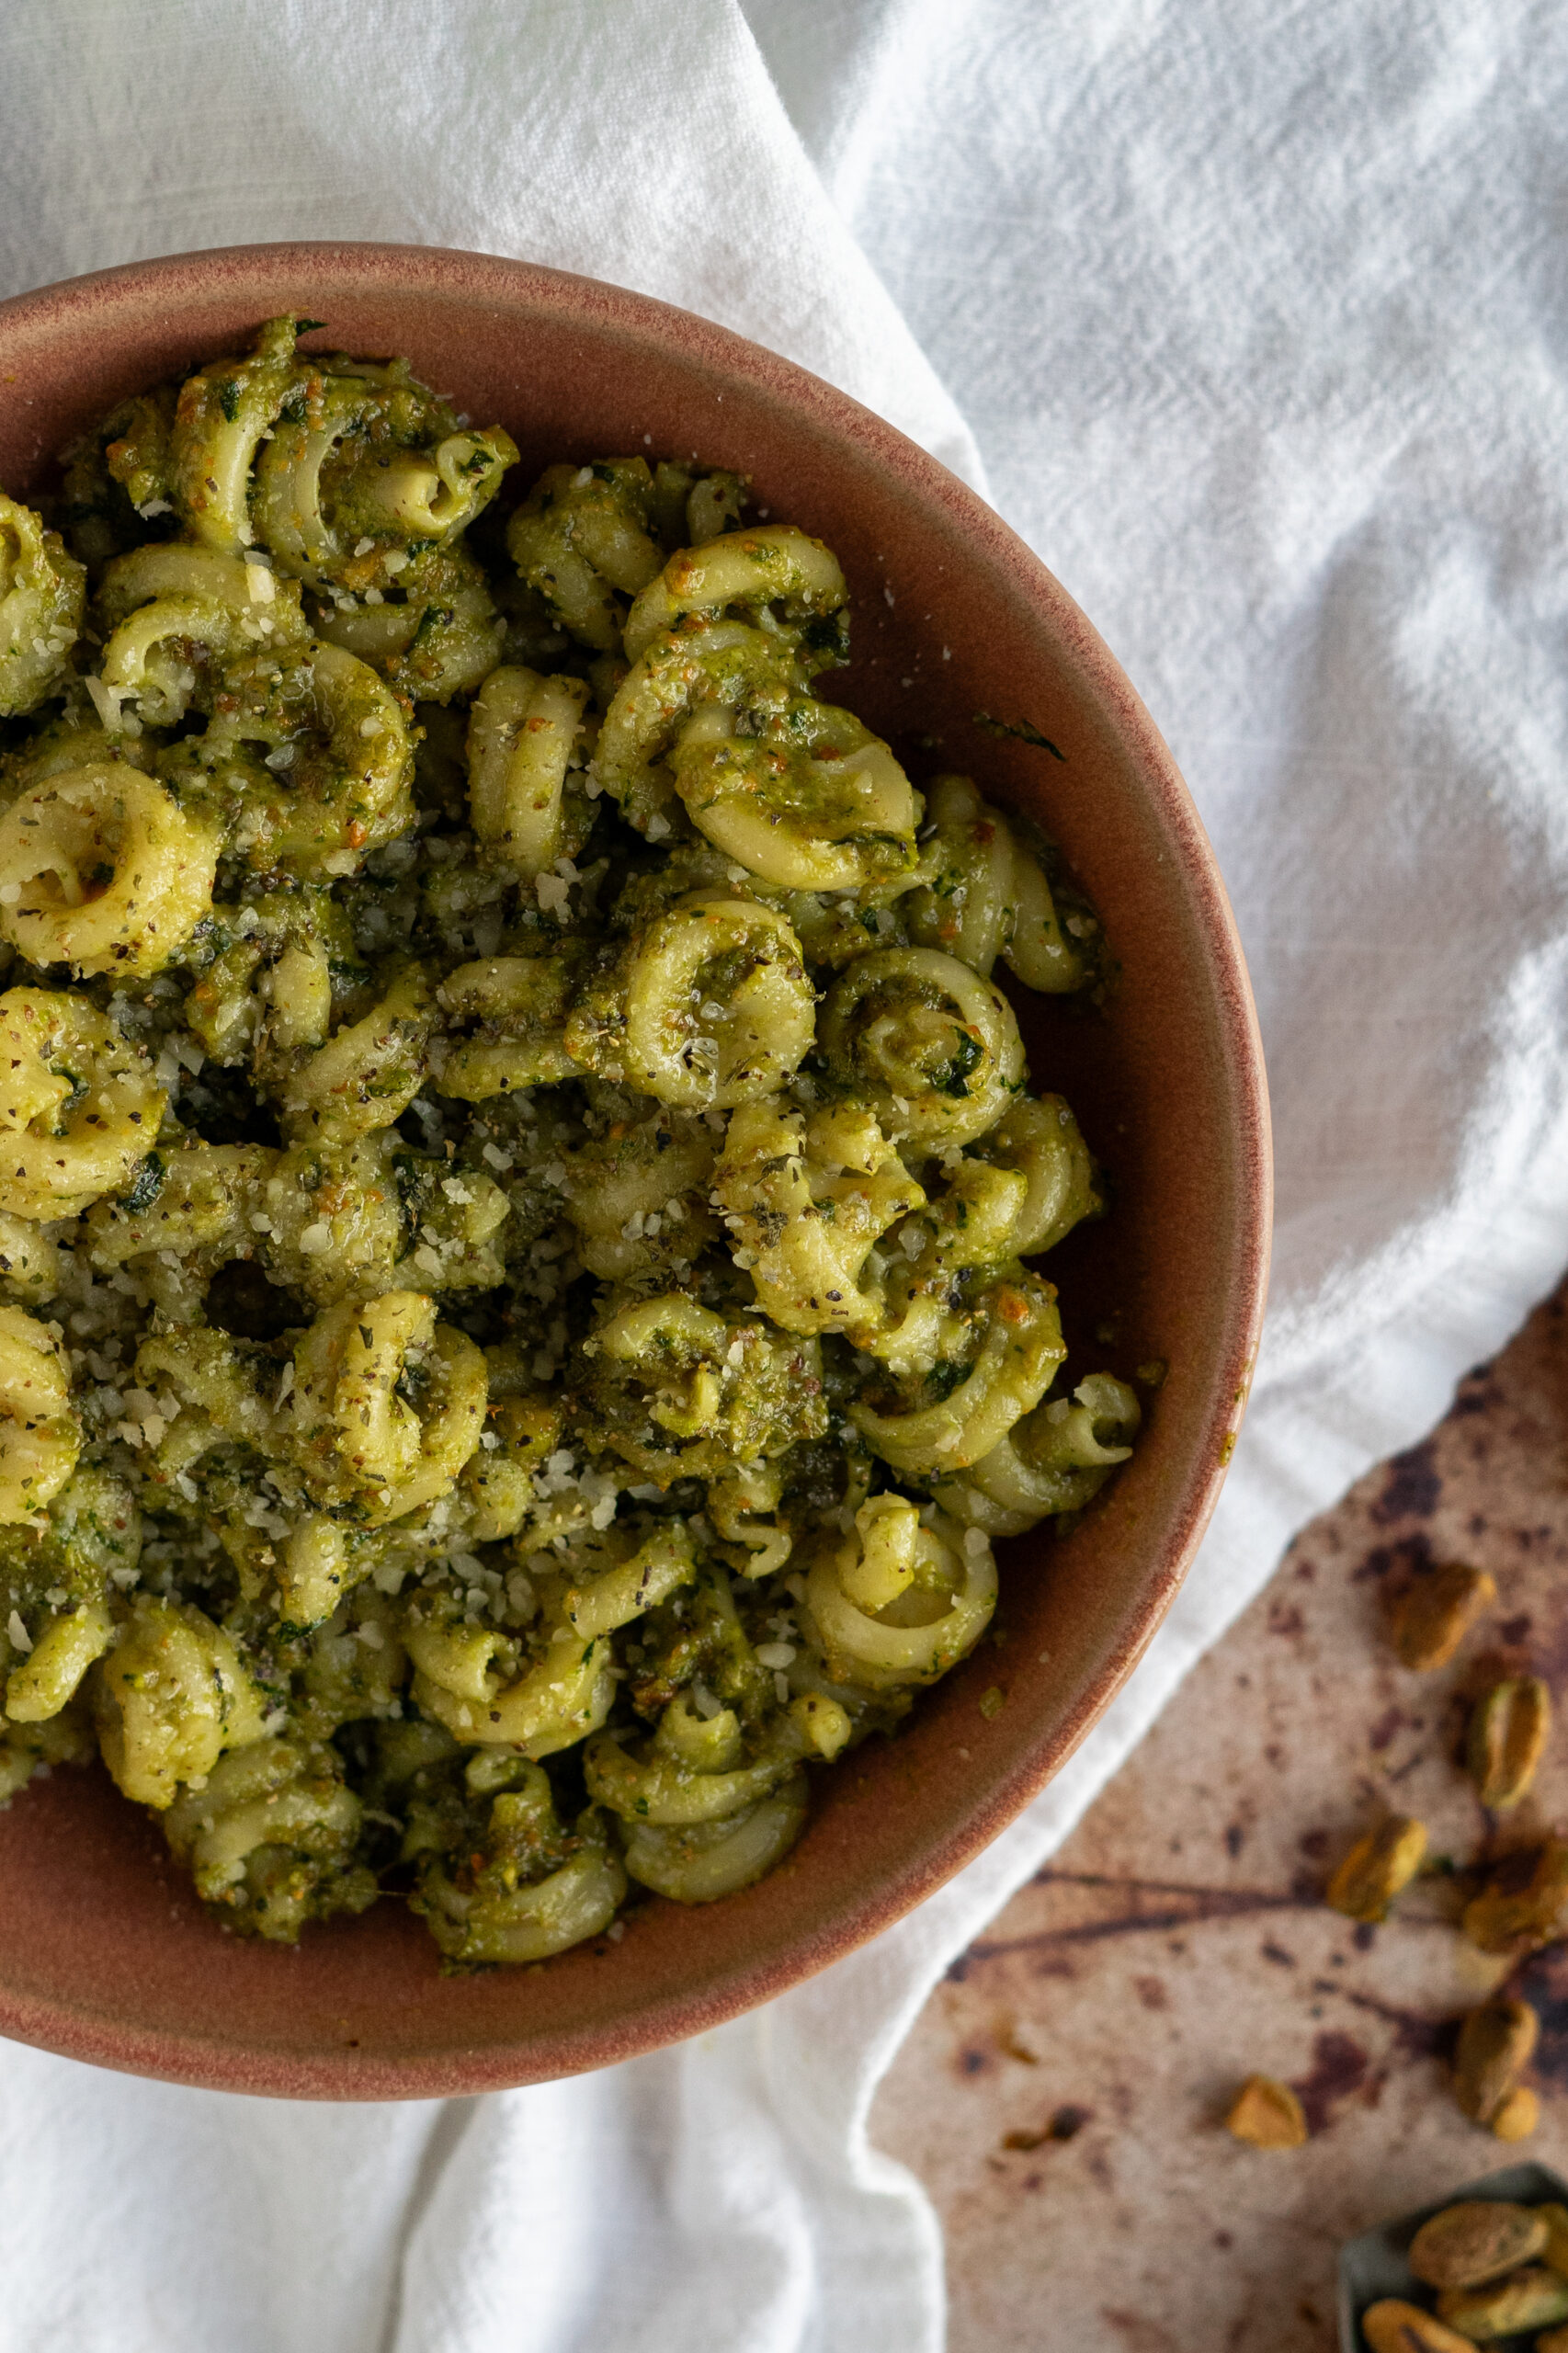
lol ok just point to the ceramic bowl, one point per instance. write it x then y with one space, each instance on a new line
104 1953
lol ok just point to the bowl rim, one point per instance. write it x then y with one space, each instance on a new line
388 270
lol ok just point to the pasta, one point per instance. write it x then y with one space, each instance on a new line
519 1194
521 740
811 801
110 875
42 596
988 896
776 572
709 1006
930 1043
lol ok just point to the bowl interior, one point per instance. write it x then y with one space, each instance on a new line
104 1953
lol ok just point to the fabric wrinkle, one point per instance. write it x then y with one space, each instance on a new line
1253 321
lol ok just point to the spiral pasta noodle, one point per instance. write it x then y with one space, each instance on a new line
637 1196
676 1389
360 1439
532 1888
49 1678
581 539
899 1602
40 1437
710 1006
79 1106
556 1696
1040 1141
182 620
706 1817
108 873
365 1075
172 1696
931 1045
520 1004
1055 1459
1006 1358
757 572
269 1838
435 634
521 739
223 413
812 800
359 463
521 1197
989 896
41 594
680 677
810 1202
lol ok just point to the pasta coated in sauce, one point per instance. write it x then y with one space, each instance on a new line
520 1185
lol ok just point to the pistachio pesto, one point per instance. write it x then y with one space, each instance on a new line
521 1200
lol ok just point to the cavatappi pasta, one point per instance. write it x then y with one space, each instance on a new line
520 1193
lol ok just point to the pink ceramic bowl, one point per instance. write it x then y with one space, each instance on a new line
104 1953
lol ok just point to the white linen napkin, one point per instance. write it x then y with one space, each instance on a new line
1257 320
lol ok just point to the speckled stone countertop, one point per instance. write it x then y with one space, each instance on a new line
1064 2093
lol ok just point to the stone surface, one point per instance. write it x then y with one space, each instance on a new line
1062 2095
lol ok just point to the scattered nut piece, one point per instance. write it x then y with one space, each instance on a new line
1534 2298
1268 2114
1393 2327
1062 2124
1015 2037
1518 2116
1507 1733
1524 1902
1555 2341
1377 1867
1495 2047
1555 2251
1477 2240
1438 1613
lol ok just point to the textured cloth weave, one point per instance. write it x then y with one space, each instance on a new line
1253 321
